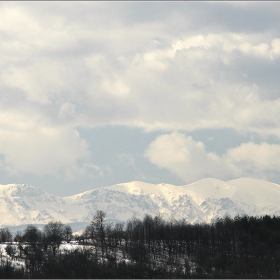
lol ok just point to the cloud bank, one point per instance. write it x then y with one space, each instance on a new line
187 66
188 159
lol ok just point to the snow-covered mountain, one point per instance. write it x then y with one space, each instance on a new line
22 204
200 201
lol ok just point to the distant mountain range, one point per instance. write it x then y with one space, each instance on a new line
200 201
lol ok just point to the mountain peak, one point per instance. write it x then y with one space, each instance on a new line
199 201
20 190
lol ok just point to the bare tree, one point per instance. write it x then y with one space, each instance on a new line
18 236
98 224
54 232
32 235
119 232
68 233
5 235
100 227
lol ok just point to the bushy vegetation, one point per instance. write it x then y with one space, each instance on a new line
240 247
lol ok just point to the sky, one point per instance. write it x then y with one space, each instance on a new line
96 93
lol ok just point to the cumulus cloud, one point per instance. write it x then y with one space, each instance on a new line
256 158
154 80
194 86
29 145
91 64
67 109
188 159
126 159
90 170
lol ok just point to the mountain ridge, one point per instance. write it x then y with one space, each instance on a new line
200 201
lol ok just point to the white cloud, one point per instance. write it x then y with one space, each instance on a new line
127 159
275 44
188 159
89 64
90 170
256 158
39 82
115 87
29 145
67 109
111 76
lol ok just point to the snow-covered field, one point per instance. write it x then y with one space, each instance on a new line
18 261
4 257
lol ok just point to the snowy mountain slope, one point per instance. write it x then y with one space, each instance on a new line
257 196
200 201
21 204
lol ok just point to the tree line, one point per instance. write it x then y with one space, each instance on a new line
152 247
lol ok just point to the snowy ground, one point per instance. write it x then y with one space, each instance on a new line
4 257
64 247
17 261
118 253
